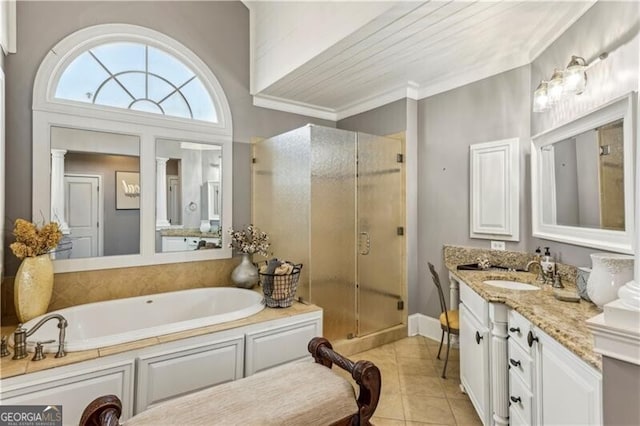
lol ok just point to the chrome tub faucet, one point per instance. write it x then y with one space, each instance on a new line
21 334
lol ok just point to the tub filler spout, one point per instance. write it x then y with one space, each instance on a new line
21 334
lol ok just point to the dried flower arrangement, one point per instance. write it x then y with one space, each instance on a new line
250 240
32 241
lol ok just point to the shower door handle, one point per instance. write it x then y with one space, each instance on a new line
367 245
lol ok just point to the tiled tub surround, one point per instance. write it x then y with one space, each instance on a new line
152 370
78 288
10 368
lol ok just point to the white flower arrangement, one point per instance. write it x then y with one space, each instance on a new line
250 240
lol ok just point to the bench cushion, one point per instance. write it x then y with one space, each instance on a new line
302 393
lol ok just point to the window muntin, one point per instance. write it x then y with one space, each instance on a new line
138 77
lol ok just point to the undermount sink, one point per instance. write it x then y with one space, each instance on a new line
511 285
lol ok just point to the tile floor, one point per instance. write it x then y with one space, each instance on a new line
413 393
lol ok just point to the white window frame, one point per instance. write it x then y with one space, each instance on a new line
49 111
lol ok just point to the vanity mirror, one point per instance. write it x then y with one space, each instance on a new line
582 179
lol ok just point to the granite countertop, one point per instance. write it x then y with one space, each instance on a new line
187 232
10 368
564 321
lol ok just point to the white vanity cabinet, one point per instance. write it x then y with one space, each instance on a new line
74 386
187 366
549 385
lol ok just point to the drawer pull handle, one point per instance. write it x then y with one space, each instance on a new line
515 399
515 329
531 339
478 337
514 362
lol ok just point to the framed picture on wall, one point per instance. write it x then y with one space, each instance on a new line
127 190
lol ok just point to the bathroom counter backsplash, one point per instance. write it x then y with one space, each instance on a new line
10 368
564 321
459 255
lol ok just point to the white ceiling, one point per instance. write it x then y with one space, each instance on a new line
417 49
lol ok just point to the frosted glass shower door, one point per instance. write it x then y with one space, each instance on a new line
333 229
380 219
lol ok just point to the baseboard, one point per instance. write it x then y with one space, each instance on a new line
423 325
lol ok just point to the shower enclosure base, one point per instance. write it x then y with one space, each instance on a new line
370 341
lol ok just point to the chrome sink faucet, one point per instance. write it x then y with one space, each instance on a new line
21 334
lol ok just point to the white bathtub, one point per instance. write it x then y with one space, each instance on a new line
96 325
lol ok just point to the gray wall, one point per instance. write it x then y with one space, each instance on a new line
218 32
608 26
385 120
448 123
121 227
620 390
566 173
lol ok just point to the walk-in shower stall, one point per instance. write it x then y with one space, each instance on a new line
334 201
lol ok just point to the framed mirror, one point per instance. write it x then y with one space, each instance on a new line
582 179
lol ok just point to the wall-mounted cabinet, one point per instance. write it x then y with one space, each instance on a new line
494 170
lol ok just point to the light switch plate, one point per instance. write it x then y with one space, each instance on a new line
497 245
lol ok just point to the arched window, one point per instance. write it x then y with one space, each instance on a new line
136 76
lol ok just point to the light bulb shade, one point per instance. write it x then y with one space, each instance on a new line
555 87
540 98
575 77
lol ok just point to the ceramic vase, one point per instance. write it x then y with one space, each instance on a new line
33 287
609 272
245 275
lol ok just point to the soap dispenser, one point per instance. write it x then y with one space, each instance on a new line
547 262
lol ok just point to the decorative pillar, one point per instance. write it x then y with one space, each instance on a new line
161 193
498 314
57 189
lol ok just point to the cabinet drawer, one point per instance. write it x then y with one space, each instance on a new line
521 364
519 328
475 303
266 349
520 399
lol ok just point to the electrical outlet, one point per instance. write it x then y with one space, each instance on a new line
497 245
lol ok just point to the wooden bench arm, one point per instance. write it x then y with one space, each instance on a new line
102 411
365 373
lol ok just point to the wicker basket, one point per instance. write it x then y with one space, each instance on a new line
280 290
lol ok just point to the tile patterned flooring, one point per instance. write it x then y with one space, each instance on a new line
413 393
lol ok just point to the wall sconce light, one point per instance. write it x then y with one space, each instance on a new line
570 81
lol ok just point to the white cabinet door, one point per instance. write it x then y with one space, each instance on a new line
266 349
570 391
495 178
172 373
73 390
474 363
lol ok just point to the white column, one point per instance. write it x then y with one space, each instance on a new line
57 189
498 313
161 192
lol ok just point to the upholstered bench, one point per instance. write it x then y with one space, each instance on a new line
302 393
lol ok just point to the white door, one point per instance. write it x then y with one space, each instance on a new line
173 200
82 206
